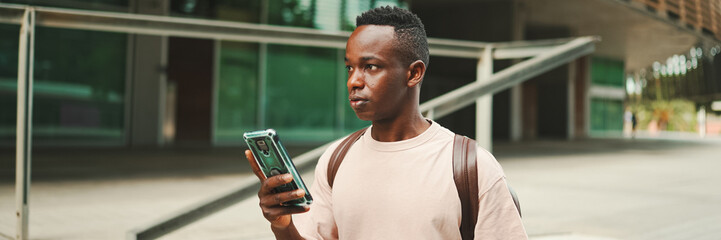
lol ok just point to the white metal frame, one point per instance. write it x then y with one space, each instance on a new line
543 55
23 144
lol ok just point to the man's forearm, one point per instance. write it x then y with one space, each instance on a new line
287 233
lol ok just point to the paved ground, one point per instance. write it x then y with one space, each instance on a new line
593 189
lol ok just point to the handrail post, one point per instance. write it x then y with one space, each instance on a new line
484 104
430 114
23 137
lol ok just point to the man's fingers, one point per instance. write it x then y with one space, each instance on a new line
273 182
276 212
276 199
254 165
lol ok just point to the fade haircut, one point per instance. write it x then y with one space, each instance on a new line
410 36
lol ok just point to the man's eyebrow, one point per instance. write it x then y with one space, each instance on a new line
363 58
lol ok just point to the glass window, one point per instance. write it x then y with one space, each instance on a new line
79 88
300 13
322 14
304 102
229 10
8 82
301 92
607 72
606 115
237 91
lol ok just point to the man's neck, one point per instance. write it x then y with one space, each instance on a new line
400 128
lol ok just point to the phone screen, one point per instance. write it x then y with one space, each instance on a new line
273 159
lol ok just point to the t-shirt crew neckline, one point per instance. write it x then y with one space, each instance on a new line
427 135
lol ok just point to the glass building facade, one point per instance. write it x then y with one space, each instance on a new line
81 92
79 87
606 113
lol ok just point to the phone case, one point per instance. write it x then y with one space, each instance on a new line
273 159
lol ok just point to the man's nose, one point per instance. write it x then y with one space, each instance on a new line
355 80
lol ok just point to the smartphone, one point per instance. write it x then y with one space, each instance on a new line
273 159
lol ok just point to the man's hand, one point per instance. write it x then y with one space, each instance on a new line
278 216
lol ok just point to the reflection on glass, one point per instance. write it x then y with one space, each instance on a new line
230 10
607 72
301 92
606 115
78 88
322 14
237 91
8 82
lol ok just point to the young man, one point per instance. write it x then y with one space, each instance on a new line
396 181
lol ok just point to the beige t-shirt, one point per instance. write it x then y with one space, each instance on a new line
405 190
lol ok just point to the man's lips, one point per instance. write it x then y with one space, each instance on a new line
355 101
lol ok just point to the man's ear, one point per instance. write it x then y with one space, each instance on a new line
416 71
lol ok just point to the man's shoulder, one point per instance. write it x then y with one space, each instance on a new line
325 157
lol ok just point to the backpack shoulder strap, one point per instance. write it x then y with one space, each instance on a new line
465 175
339 153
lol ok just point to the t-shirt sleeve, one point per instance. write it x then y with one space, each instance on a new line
318 222
498 217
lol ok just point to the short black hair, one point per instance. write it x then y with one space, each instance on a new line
410 35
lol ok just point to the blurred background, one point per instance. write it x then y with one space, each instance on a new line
128 128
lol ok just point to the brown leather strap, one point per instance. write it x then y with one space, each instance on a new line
340 153
465 174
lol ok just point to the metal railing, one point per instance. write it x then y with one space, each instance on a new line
543 55
433 109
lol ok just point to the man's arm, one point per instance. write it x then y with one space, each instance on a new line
279 216
498 217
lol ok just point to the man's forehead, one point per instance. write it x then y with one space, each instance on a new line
374 32
371 38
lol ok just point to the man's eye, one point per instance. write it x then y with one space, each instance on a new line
371 67
348 68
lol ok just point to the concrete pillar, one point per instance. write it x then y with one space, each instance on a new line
147 86
484 105
516 94
571 96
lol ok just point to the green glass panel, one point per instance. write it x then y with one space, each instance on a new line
301 92
80 87
8 82
229 10
597 114
617 78
326 15
299 13
607 72
237 91
238 10
614 115
606 115
78 90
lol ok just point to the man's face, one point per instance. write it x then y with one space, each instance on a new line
376 76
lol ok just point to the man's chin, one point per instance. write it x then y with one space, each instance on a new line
365 116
